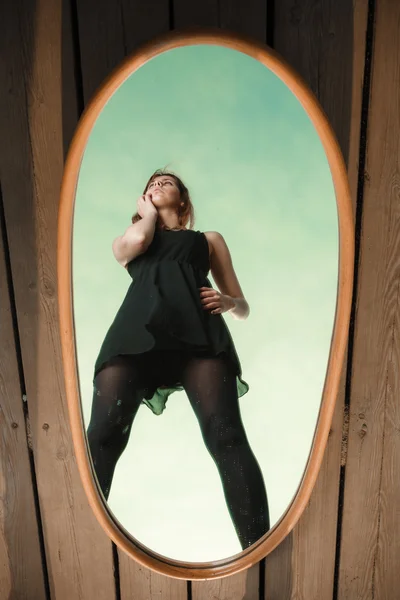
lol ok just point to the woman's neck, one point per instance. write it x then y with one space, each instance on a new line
176 228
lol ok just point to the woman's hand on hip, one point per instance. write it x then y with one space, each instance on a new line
214 301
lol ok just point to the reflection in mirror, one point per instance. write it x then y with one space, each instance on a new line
204 299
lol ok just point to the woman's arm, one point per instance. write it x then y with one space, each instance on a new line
135 240
225 277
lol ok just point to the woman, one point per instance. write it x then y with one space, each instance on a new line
169 335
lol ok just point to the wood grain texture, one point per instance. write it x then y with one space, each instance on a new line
144 20
247 18
324 42
21 573
107 33
242 586
360 14
37 117
31 167
196 13
101 42
370 546
140 583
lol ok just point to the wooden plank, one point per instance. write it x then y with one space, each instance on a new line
197 13
21 573
36 58
107 33
139 583
143 21
247 18
101 42
370 546
360 14
325 44
243 585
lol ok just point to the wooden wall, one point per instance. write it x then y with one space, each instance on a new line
54 55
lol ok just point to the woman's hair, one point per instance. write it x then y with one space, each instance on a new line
185 212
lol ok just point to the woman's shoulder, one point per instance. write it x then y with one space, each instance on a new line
213 236
215 241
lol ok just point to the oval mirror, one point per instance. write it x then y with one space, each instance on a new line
205 268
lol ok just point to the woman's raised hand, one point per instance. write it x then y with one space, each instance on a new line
145 206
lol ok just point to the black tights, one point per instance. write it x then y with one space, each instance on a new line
210 385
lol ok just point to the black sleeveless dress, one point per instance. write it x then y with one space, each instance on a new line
162 310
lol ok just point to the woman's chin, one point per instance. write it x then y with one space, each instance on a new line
158 200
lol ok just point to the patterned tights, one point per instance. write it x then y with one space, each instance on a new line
210 385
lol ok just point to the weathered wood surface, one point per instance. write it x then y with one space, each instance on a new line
54 57
325 43
18 520
370 549
36 68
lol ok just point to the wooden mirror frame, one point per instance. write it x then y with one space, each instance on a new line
122 538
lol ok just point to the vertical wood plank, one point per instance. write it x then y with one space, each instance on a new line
247 18
38 53
325 43
371 518
101 42
108 31
196 13
242 586
143 21
21 573
140 583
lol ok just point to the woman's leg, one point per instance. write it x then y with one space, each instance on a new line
210 384
116 399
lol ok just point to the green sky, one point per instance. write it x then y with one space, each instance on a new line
258 174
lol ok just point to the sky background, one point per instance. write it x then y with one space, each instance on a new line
258 174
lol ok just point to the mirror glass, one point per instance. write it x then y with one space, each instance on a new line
198 472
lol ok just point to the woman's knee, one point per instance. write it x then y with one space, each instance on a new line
222 433
109 433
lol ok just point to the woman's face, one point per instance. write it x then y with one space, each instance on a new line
164 192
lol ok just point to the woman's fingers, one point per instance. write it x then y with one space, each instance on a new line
210 299
213 305
205 292
211 302
145 205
